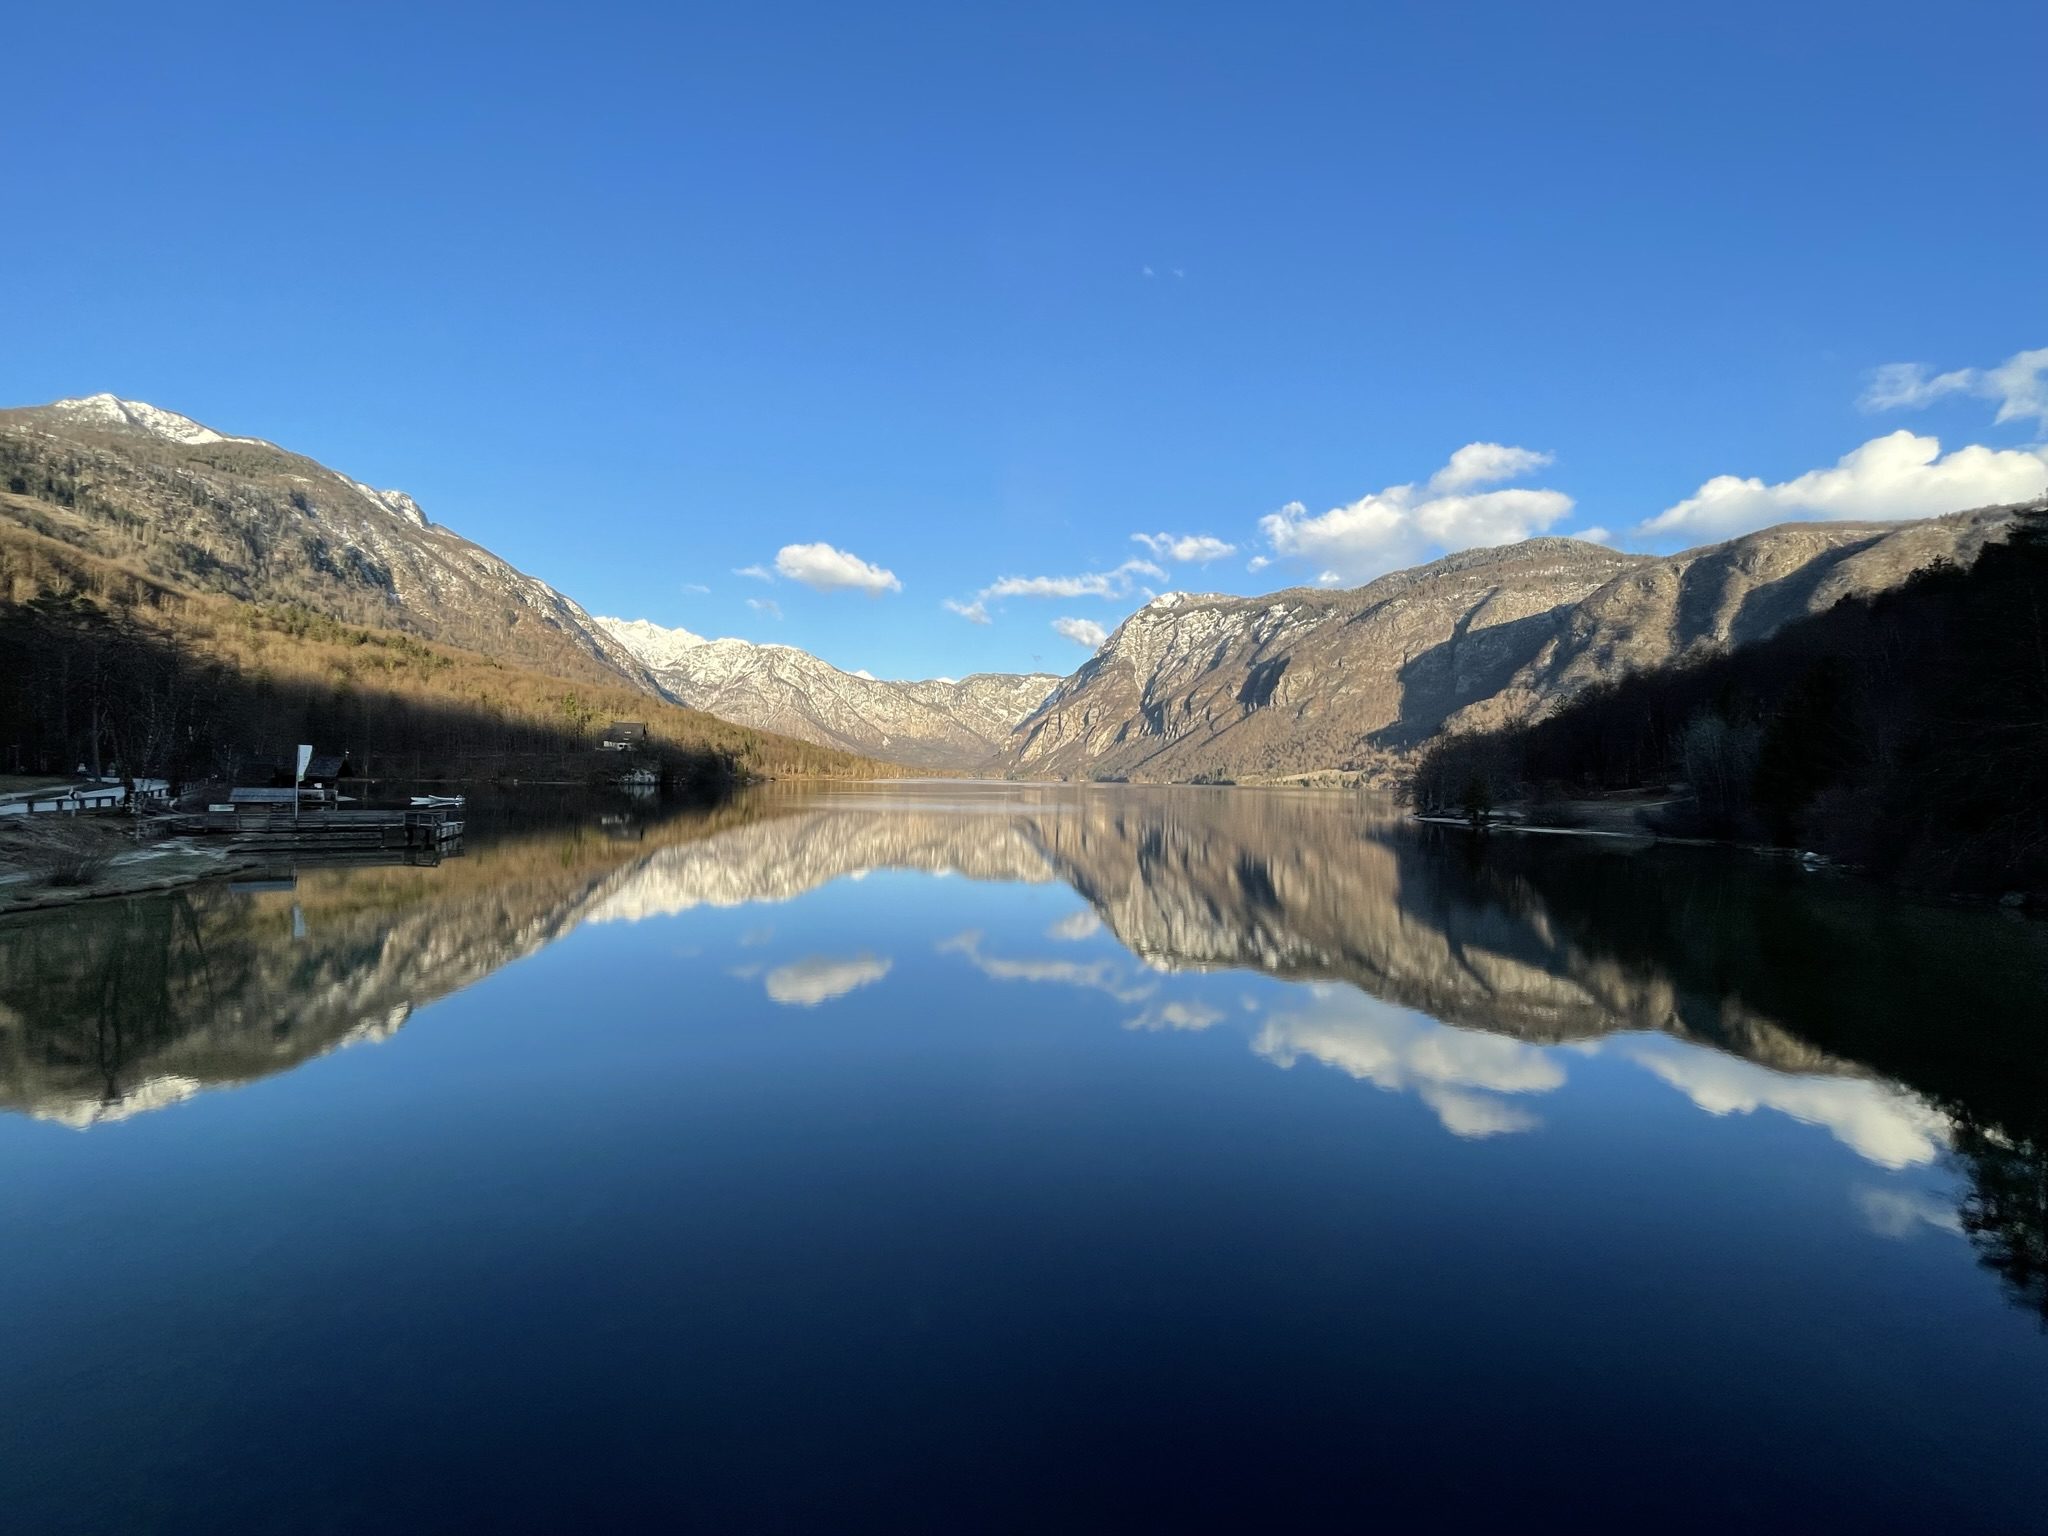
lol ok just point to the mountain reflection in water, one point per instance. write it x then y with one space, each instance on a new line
1429 963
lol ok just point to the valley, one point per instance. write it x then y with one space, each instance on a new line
1304 684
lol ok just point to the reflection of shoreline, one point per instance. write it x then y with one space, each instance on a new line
1300 887
1465 976
120 1008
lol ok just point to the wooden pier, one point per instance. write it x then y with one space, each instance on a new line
275 825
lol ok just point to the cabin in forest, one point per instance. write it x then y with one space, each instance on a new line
624 736
323 771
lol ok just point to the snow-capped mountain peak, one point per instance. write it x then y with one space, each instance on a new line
939 724
108 409
396 502
653 644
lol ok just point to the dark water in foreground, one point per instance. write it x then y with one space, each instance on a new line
934 1159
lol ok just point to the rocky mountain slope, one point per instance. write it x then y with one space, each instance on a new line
202 510
1308 680
1294 683
185 504
943 724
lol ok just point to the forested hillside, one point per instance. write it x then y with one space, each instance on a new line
1905 732
102 665
192 508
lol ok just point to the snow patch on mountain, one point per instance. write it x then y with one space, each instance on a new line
654 644
393 501
936 723
108 409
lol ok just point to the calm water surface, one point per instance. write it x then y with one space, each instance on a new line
989 1158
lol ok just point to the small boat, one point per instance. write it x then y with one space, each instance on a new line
428 802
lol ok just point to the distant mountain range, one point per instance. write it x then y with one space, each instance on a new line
943 724
1295 684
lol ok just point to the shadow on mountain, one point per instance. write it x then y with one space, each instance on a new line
1470 666
104 666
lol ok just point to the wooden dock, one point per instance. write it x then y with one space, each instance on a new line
273 825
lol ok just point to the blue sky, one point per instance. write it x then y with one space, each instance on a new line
644 296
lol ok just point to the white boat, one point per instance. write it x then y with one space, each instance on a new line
425 802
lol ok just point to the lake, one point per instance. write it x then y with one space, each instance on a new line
1010 1158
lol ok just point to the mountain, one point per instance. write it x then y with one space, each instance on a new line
942 724
1901 732
179 502
1308 680
1295 683
257 598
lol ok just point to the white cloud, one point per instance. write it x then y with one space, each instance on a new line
1476 1116
1082 632
864 672
1899 475
1115 583
1594 535
1187 548
975 612
1192 1016
1076 925
1093 585
766 605
2019 385
1907 386
1456 1072
1881 1123
1404 523
1901 1213
1260 562
1486 464
820 978
831 570
696 587
1098 975
757 572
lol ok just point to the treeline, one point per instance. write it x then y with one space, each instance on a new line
1906 733
104 667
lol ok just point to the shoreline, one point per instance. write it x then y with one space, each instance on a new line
136 873
2021 903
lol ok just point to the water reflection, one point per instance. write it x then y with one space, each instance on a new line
119 1007
1469 975
1879 1121
818 979
1463 1075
